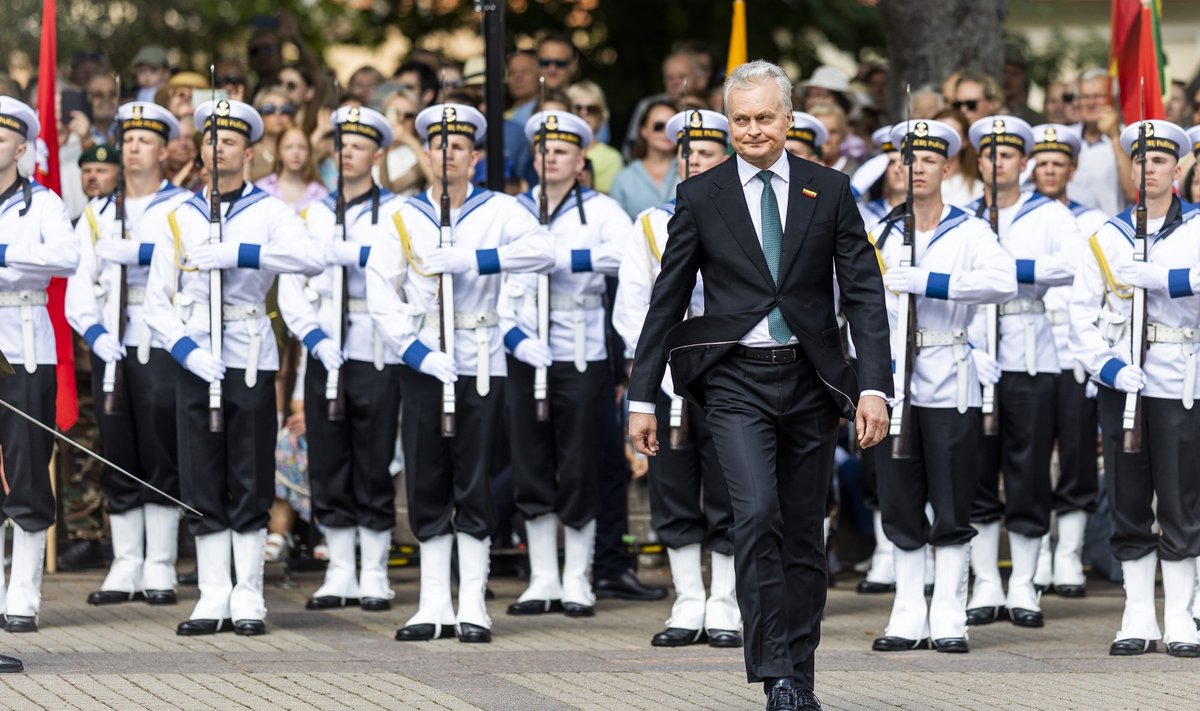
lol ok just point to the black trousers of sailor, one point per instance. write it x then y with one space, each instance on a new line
141 435
1022 451
1075 429
228 476
774 426
447 479
689 500
557 464
348 460
26 496
942 471
1166 466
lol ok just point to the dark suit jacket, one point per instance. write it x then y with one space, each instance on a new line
711 232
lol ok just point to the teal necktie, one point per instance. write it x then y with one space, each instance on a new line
772 240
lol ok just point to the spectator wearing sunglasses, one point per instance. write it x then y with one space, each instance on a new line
278 115
589 103
231 77
305 92
1061 103
650 180
558 60
975 96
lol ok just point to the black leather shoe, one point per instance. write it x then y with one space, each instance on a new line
1026 618
806 700
190 578
1070 590
82 554
627 587
193 628
951 645
678 637
782 696
574 609
249 628
161 597
1044 589
423 633
535 607
724 638
867 587
20 623
1132 647
375 604
112 597
473 634
329 602
899 644
986 615
1183 649
10 665
1197 621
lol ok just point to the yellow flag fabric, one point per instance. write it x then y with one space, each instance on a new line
737 37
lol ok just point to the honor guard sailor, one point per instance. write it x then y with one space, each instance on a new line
36 243
805 136
879 180
456 240
225 403
689 502
133 376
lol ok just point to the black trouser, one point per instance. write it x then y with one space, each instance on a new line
228 476
1022 452
557 464
141 436
1075 429
348 460
447 478
612 557
689 501
26 496
1166 466
942 471
775 431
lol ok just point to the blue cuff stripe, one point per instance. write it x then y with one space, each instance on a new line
1025 271
314 337
3 249
1108 374
489 261
513 338
362 256
248 256
938 286
1179 283
145 252
182 348
93 333
414 354
581 260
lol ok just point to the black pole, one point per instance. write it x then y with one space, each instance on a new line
493 36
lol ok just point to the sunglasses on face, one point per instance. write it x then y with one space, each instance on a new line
583 109
658 126
285 109
559 63
291 85
969 105
261 49
231 79
394 114
1069 98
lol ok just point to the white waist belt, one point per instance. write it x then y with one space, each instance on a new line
25 300
26 297
929 339
578 305
957 340
480 323
1022 306
1158 333
1059 317
135 296
245 313
559 302
1027 306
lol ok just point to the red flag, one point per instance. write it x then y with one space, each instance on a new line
1136 55
67 405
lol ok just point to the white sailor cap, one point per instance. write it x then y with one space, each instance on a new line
460 119
560 126
807 128
361 121
230 115
1055 137
1161 136
882 138
148 116
700 125
928 135
18 116
1007 131
1193 134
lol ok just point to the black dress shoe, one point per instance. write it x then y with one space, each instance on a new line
112 597
678 637
10 665
249 628
627 587
193 628
535 607
82 555
574 609
20 623
951 645
1044 589
806 700
899 644
192 578
329 602
1197 621
473 634
375 604
1070 590
1183 649
1026 618
423 633
867 587
986 615
782 696
1132 647
724 638
161 597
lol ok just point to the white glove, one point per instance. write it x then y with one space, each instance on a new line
986 367
532 351
906 280
1090 390
439 365
1143 274
122 251
450 260
204 365
346 254
215 256
330 355
107 348
1130 379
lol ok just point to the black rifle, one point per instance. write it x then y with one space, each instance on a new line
446 281
1131 419
335 385
216 320
901 423
541 392
113 383
991 404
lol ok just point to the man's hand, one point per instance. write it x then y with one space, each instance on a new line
870 422
1109 123
643 432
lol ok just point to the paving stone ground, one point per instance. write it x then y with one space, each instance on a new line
127 657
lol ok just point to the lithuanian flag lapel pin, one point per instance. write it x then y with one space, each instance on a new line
809 193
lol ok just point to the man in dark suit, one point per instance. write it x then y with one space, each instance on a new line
767 231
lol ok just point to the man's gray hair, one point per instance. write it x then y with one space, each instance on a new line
758 72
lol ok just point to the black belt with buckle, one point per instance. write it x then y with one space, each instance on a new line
785 354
